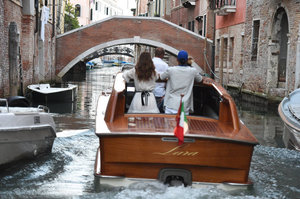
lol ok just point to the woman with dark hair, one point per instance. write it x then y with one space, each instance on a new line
144 77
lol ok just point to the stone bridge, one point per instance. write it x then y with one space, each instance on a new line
76 45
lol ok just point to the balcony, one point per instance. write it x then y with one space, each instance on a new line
225 7
188 3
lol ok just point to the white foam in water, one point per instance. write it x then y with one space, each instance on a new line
156 190
69 133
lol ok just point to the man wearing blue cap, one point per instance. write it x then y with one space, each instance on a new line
180 82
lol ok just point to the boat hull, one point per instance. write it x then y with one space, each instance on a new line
25 143
291 138
65 96
217 146
289 112
24 133
45 93
205 159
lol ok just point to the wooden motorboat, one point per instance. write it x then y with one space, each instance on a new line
25 132
217 148
47 93
289 112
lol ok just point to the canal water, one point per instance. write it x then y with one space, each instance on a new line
68 171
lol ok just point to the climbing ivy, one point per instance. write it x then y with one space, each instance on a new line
71 21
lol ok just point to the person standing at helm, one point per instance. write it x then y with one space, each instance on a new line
160 87
180 81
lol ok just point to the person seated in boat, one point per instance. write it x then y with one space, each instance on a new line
180 81
144 77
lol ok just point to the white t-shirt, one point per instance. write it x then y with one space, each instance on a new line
180 81
160 67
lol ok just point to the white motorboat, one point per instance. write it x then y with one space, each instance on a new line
25 132
289 112
47 93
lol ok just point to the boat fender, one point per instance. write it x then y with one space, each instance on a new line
18 101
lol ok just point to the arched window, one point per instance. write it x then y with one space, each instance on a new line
77 10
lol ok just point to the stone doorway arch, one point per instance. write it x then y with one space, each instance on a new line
280 30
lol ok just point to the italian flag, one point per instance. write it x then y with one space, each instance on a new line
182 124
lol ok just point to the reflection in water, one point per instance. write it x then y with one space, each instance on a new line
261 118
68 171
60 107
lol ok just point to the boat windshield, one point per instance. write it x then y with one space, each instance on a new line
206 100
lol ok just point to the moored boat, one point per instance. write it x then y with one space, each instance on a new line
25 132
47 93
217 147
289 112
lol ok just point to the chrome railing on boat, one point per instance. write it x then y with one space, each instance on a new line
43 108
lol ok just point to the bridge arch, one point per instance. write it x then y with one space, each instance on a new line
135 40
114 31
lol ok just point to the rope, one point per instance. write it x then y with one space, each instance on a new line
204 52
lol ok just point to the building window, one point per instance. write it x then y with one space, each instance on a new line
231 51
204 26
106 12
191 25
225 53
96 6
217 58
255 37
242 53
77 10
91 17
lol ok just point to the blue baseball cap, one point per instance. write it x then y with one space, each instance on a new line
182 55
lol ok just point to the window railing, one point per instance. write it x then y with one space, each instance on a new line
224 7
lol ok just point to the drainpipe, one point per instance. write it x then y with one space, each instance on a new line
53 20
297 72
213 47
287 75
222 60
36 6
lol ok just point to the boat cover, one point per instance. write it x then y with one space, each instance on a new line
295 110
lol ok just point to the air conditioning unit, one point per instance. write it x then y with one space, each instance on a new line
199 18
188 3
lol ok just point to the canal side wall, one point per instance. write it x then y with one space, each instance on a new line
25 58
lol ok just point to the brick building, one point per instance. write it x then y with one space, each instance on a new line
272 47
257 43
25 57
229 54
194 15
258 46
